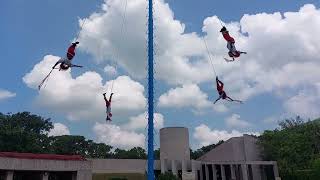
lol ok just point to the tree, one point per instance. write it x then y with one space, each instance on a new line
294 146
99 150
70 145
24 132
316 168
167 176
291 123
134 153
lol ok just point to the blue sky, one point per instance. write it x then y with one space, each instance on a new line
31 30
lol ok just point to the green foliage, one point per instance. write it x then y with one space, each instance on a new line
114 176
291 123
294 146
24 132
134 153
167 176
69 145
99 150
300 175
316 168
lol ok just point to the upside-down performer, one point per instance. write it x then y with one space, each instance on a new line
65 63
233 52
222 93
108 106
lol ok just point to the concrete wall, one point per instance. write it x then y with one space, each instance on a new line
235 149
121 165
231 150
82 168
252 150
43 165
174 143
118 166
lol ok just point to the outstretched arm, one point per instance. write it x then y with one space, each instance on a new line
230 99
74 65
217 100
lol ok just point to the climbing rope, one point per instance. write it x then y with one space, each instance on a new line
81 27
44 80
209 55
121 32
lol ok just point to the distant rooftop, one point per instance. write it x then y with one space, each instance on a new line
42 156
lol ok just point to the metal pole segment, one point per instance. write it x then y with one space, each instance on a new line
150 93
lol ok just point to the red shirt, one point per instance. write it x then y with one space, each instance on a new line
108 103
71 51
220 89
227 37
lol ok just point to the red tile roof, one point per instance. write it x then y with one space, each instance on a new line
42 156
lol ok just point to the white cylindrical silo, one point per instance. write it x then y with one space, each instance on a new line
174 143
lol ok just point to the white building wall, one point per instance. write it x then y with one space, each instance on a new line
174 143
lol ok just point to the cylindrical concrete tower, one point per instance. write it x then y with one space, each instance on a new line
174 143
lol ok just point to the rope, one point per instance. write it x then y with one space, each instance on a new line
45 80
81 27
121 32
47 77
209 55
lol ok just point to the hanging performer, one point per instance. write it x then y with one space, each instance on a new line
222 93
108 106
65 63
233 52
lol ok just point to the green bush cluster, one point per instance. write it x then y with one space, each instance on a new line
167 176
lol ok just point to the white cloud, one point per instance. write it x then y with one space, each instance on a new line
102 37
59 130
80 98
305 104
140 122
234 121
110 70
270 120
5 94
282 53
118 137
188 95
206 136
218 107
128 94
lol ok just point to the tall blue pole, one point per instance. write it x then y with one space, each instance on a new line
150 93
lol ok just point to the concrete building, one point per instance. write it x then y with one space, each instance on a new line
27 166
236 159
